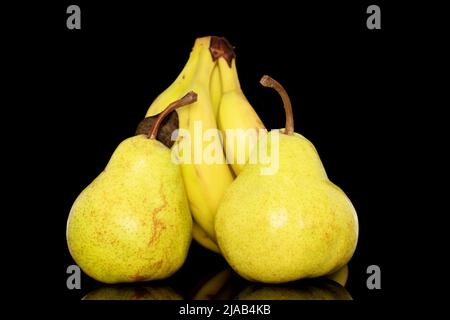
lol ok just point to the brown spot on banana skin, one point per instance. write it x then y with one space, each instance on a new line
197 172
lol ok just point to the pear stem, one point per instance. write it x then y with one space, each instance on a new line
267 81
189 98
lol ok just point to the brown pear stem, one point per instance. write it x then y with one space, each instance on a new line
267 81
189 98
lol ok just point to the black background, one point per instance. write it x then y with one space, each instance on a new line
342 79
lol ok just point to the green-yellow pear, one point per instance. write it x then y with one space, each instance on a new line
288 224
132 223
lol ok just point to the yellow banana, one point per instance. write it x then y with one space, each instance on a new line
215 90
178 88
236 113
205 183
202 238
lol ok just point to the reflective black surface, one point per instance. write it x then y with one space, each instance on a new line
340 77
206 276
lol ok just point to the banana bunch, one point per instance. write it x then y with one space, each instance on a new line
210 72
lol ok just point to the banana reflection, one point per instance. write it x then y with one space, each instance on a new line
220 286
133 293
227 285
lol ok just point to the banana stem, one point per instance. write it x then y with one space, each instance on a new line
220 47
189 98
267 81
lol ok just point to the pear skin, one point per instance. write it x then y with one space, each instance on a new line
133 223
288 225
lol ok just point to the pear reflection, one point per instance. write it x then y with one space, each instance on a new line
227 285
318 289
330 287
133 293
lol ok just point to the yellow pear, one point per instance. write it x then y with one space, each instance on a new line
288 224
132 223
